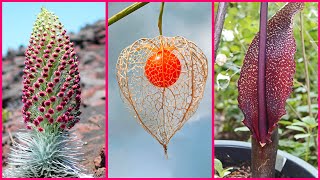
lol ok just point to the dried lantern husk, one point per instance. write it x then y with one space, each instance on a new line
162 108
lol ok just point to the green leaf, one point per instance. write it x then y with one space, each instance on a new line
242 129
310 121
284 122
218 166
314 108
223 81
226 172
296 128
300 136
299 123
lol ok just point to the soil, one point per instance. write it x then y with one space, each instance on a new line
90 47
243 170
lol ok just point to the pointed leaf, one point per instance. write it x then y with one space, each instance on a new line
296 128
300 136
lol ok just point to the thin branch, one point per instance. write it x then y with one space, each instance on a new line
218 25
293 110
160 18
306 71
128 10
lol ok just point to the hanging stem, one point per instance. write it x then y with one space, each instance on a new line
128 10
306 71
160 18
218 25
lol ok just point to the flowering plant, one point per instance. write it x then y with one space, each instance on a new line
51 101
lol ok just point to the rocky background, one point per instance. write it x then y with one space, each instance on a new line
90 47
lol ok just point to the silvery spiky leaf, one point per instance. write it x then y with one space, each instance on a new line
45 154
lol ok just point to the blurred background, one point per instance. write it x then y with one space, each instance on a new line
85 23
132 152
240 27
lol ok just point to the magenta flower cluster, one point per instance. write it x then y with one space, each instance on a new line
51 80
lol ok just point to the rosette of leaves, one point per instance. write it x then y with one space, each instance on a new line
51 101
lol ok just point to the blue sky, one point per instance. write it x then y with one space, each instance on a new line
132 151
18 19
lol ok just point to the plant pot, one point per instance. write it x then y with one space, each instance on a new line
287 164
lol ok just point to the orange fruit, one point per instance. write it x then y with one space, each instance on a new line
163 68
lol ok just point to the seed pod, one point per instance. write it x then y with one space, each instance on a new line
162 80
44 97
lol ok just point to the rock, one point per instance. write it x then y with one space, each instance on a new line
86 35
103 157
21 51
98 99
19 61
12 95
89 57
97 162
10 54
101 172
88 81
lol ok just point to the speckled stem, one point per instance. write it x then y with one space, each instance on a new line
218 25
262 105
263 159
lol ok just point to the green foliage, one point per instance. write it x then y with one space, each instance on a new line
44 155
218 167
306 132
5 115
240 27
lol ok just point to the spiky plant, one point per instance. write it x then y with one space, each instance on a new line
51 102
45 154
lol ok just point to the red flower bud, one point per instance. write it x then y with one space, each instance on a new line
36 122
59 108
42 93
55 55
46 56
41 109
52 99
40 80
40 129
47 115
60 94
50 84
47 103
50 120
63 126
57 73
35 98
56 79
40 118
50 111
